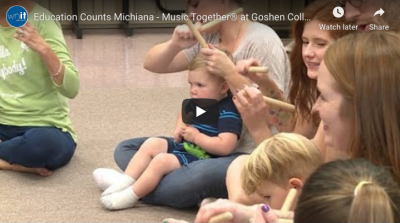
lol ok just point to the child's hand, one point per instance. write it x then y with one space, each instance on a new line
178 135
189 133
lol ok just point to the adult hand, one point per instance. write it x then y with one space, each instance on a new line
243 66
252 108
264 214
218 63
29 35
189 133
240 212
183 37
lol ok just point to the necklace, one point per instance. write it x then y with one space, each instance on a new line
237 37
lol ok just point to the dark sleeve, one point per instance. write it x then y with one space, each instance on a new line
229 118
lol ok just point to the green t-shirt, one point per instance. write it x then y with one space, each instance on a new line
28 95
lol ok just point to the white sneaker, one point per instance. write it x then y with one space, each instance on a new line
104 177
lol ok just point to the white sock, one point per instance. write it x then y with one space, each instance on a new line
124 182
104 177
120 200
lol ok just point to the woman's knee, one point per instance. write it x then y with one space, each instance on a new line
126 150
49 140
130 144
42 147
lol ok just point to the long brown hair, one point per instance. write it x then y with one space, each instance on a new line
349 191
367 74
303 91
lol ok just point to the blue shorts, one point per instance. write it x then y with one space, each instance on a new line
183 156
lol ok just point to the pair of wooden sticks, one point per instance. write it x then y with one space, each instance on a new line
203 43
228 216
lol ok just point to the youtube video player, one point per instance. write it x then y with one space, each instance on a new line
200 111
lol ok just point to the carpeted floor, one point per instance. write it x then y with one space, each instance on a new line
118 100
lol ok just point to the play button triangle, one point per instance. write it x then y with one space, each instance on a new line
199 111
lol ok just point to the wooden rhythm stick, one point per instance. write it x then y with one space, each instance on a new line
228 216
274 102
258 70
224 217
204 44
218 21
196 33
289 200
282 220
278 103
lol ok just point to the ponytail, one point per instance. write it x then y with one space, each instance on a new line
371 203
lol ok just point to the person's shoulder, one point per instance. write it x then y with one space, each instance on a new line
261 37
261 30
227 104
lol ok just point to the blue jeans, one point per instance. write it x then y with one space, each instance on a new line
185 187
36 147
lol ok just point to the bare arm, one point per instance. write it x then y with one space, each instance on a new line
169 57
236 81
221 145
166 58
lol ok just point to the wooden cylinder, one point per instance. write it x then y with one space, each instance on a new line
196 33
289 200
224 217
279 104
258 70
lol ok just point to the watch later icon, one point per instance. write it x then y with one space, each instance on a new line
338 12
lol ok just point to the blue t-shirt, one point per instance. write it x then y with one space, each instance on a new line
229 121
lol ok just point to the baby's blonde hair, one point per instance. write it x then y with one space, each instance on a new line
279 158
200 62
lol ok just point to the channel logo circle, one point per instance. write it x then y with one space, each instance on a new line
338 12
17 16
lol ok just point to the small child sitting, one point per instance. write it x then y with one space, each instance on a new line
159 156
278 164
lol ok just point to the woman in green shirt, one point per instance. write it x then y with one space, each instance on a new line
36 78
